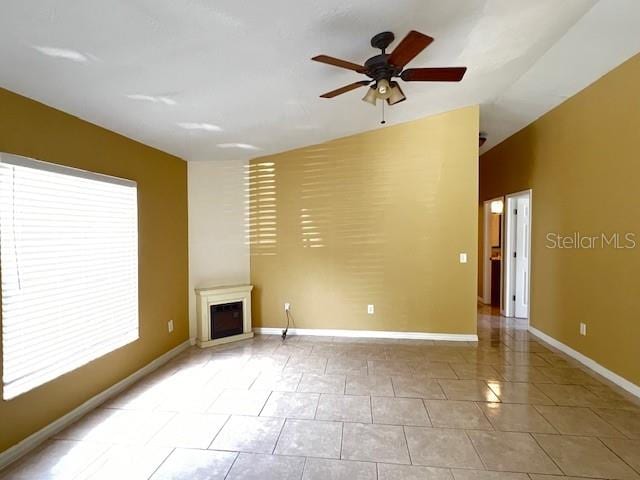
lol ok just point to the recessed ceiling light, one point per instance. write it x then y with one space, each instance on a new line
152 98
244 146
207 127
65 53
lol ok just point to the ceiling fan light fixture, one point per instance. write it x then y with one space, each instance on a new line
383 67
383 89
371 96
397 95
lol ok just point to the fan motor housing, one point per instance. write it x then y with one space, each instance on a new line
378 67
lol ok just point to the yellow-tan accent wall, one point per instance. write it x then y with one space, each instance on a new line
34 130
376 218
582 162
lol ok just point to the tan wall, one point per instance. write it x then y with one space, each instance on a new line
34 130
376 218
581 160
481 250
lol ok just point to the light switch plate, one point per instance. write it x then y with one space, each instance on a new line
170 325
371 309
463 257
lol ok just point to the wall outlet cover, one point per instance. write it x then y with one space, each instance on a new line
287 307
371 309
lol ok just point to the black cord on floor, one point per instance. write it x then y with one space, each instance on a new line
286 330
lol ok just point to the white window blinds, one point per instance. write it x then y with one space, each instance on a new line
69 257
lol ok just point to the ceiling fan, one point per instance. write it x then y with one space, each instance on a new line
382 68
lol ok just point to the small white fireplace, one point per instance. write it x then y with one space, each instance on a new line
223 314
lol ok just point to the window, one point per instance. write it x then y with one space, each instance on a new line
69 256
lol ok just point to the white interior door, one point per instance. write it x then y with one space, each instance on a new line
522 251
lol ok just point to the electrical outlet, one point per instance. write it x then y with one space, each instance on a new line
170 325
583 328
463 257
371 309
287 307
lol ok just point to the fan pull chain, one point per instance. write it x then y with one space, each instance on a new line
383 120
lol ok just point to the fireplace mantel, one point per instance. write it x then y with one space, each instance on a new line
208 296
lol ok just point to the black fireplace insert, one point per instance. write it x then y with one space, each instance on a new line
226 319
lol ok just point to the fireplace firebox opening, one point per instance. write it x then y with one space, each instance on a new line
226 319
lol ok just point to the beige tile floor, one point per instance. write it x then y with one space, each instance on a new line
507 408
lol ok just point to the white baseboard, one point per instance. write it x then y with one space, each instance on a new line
588 362
322 332
18 450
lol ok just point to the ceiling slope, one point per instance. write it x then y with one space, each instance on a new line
605 37
233 79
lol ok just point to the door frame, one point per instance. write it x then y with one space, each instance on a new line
486 251
508 305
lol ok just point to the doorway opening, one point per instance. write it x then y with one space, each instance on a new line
493 252
517 255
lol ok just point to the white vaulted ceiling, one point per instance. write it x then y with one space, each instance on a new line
225 79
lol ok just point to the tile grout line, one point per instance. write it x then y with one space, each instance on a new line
275 444
226 475
166 422
104 454
406 441
424 404
315 412
618 456
218 432
493 427
466 434
593 410
161 463
546 454
304 467
265 403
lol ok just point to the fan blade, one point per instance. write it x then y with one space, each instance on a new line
409 47
345 89
446 74
336 62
